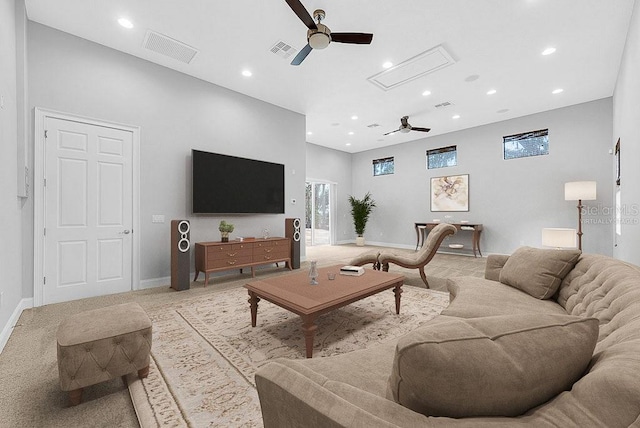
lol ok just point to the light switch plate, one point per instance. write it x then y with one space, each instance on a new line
157 218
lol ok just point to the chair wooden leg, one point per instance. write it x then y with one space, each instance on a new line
423 276
75 397
385 267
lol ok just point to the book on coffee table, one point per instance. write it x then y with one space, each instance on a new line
352 270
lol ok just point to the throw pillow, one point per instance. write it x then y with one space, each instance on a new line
538 272
492 366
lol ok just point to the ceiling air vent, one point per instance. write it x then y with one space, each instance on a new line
373 125
444 104
283 50
169 47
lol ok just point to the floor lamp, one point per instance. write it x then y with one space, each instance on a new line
580 191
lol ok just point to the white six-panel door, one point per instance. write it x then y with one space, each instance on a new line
87 210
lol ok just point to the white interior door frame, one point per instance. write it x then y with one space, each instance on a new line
39 195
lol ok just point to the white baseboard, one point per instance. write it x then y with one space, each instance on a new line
8 328
377 244
155 282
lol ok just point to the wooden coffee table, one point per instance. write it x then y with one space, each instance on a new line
294 293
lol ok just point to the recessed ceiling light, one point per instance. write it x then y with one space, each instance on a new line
455 116
125 23
348 144
472 78
309 133
557 91
548 51
247 73
387 64
354 117
350 132
491 92
425 93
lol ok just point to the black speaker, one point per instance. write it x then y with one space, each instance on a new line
180 254
293 230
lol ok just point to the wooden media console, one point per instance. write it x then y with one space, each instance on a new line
221 256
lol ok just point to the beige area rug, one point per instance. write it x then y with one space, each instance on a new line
205 352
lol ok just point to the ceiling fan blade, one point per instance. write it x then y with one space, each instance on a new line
414 128
392 132
302 55
302 13
357 38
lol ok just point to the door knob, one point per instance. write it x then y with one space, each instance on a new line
125 232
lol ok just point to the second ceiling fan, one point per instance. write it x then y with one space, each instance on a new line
319 35
406 127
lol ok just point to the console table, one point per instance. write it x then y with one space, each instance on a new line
220 256
422 229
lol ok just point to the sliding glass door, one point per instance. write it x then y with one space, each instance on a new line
318 213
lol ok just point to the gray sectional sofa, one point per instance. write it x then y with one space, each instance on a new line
545 340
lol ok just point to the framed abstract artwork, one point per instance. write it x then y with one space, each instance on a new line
450 193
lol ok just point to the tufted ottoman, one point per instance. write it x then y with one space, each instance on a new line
101 344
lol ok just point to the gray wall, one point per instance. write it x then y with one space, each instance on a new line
334 166
514 199
10 203
626 126
176 113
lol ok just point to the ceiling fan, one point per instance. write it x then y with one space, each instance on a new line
405 127
319 35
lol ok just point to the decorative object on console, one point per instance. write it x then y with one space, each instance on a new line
558 237
450 193
361 210
580 191
180 254
225 229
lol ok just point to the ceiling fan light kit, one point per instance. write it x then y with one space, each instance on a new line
320 38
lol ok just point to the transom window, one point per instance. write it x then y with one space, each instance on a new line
383 166
533 143
442 157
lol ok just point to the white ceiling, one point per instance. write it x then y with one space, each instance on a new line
498 40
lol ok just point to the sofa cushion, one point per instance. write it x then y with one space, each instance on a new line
538 272
493 366
473 297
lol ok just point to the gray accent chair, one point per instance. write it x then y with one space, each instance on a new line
417 260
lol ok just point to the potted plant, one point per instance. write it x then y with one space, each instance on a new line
225 229
360 211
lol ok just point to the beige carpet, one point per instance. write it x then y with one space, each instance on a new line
206 352
29 391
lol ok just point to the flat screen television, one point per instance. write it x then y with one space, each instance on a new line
225 184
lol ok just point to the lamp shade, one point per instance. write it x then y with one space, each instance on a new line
580 190
559 237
